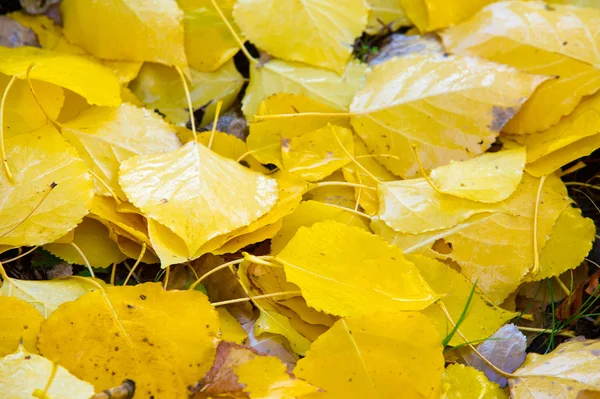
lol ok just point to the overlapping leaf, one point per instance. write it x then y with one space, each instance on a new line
19 322
462 382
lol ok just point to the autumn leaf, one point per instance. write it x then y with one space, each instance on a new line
129 30
19 322
430 15
376 356
231 330
146 330
385 14
419 100
26 375
313 260
461 382
534 38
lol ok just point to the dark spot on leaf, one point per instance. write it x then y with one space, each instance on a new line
130 306
164 201
116 348
27 357
143 297
501 115
25 327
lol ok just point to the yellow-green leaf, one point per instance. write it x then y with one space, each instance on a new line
69 71
318 33
339 269
24 375
323 86
126 30
376 356
160 88
19 322
463 382
490 177
56 162
535 38
419 99
137 333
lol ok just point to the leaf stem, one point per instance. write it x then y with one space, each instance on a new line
259 118
422 169
21 255
137 262
85 260
9 175
216 269
214 127
252 298
536 253
341 184
234 34
564 333
46 194
188 98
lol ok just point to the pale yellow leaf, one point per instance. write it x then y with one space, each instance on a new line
274 322
419 99
37 160
317 32
24 375
105 137
555 41
482 318
490 177
325 87
386 356
160 88
69 71
561 374
207 194
231 147
333 194
339 269
19 321
386 14
578 3
92 238
463 382
208 42
243 240
143 332
127 30
429 15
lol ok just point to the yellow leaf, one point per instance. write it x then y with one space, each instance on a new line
575 136
231 330
47 296
243 240
69 71
325 87
368 199
143 332
63 208
207 194
105 137
169 247
126 30
268 137
413 206
420 99
317 154
570 242
429 15
335 195
492 244
231 147
266 377
339 269
93 239
463 382
562 373
208 42
307 214
536 39
274 322
482 318
21 111
23 375
578 3
318 33
160 88
19 321
490 177
380 355
386 13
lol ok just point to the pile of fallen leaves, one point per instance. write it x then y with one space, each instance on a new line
349 230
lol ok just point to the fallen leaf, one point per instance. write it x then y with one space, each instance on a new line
462 382
136 333
482 318
385 14
19 322
208 42
159 87
537 39
207 195
231 330
318 33
336 195
92 238
24 375
505 349
273 322
420 99
105 137
490 177
378 355
338 269
326 87
130 31
56 163
560 374
429 15
270 344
